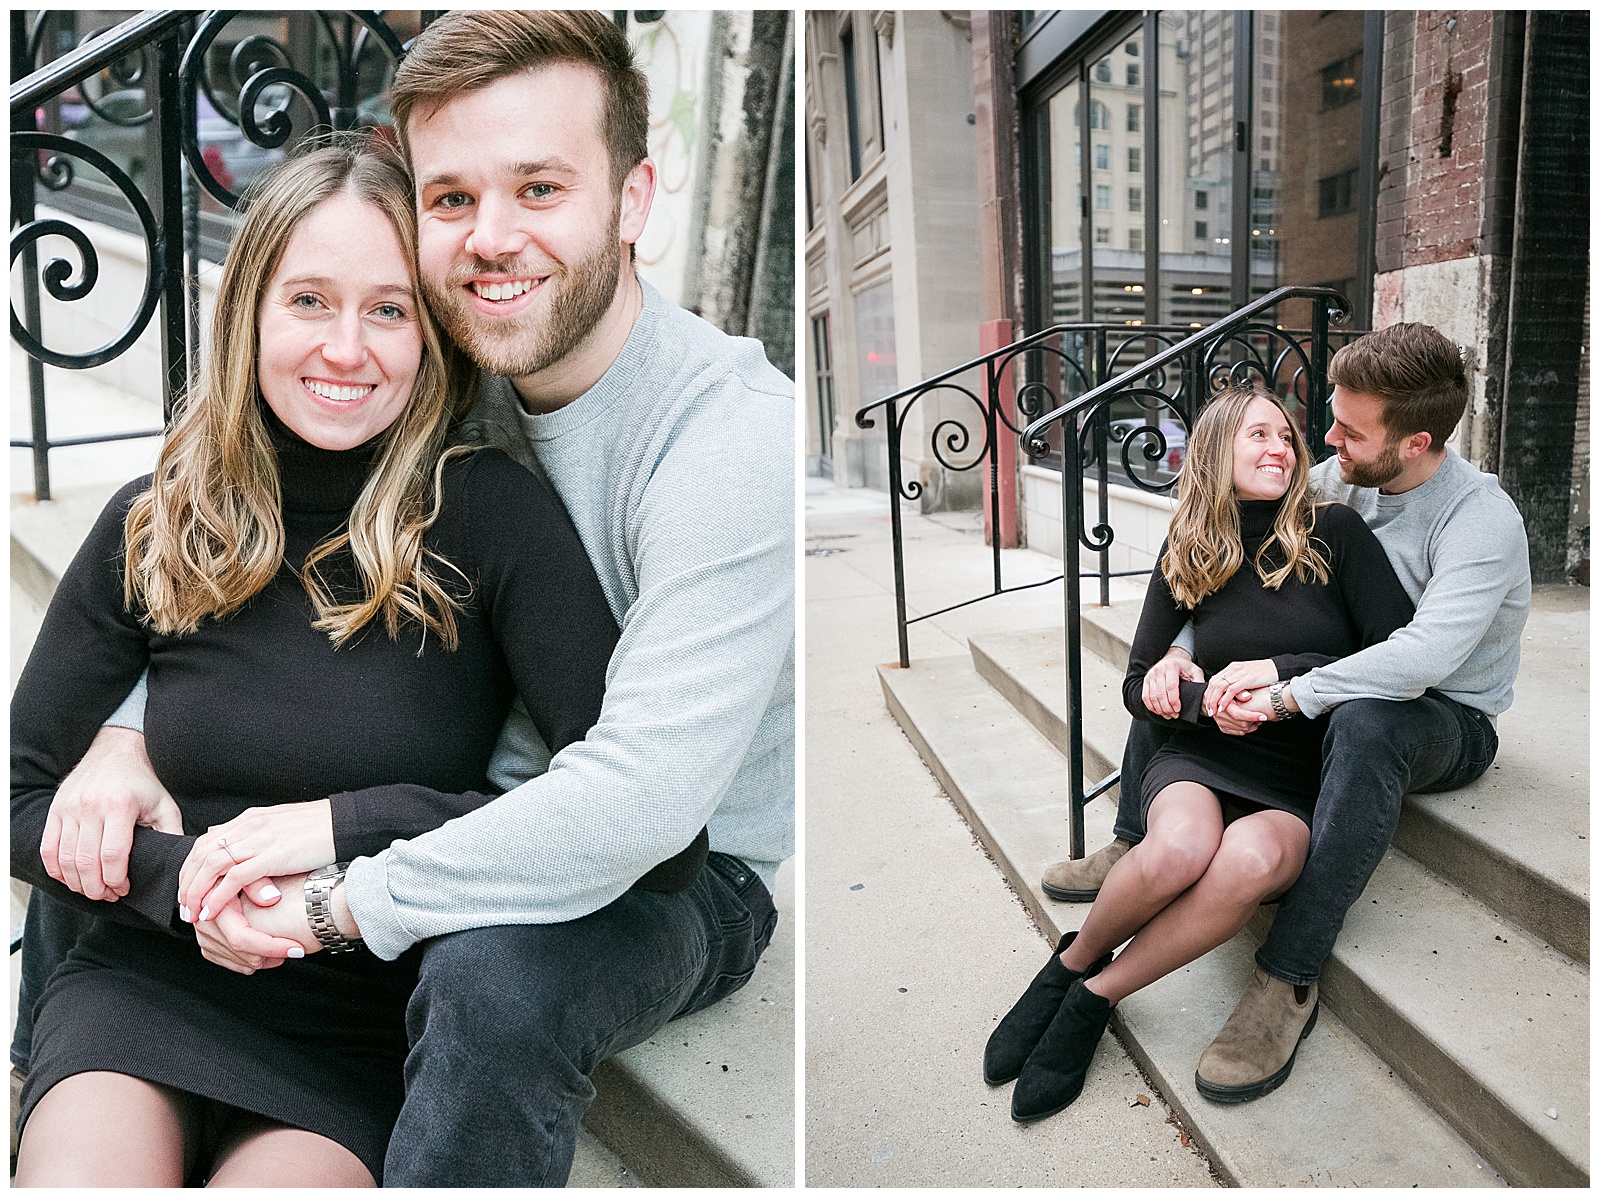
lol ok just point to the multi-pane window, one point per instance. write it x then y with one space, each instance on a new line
1102 198
1136 240
1133 74
1102 71
1135 159
1131 49
1102 158
1102 236
1099 116
1202 201
1200 230
1336 194
1135 199
1341 82
1135 111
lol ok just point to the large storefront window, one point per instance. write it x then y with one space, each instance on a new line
1253 122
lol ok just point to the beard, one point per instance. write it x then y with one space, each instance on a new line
1382 469
575 297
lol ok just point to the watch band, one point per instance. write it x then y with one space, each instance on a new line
320 885
1275 694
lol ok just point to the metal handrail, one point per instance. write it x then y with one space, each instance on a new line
1033 435
93 56
167 207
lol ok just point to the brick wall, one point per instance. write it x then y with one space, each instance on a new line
1449 91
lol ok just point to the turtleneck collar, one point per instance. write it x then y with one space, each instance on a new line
319 485
1256 517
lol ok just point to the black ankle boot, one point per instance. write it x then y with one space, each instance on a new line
1053 1077
1014 1038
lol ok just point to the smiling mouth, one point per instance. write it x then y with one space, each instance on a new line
501 292
336 393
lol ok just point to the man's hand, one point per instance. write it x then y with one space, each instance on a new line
249 850
89 831
1161 696
245 937
1233 680
1253 707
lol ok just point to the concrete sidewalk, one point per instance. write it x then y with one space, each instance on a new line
915 944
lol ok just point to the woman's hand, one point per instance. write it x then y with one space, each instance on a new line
260 843
245 937
1234 681
89 832
1161 694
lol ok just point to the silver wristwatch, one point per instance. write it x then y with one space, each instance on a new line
1275 694
320 885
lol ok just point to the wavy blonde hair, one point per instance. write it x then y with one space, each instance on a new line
208 534
1204 547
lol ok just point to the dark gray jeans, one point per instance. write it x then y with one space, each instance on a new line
507 1023
1375 753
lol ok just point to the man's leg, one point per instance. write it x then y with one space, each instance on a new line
507 1023
1079 881
50 931
1375 753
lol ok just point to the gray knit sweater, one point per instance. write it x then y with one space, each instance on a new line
1459 548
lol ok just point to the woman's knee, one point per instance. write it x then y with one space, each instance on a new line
100 1129
1257 860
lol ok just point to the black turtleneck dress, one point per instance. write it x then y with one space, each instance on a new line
1301 625
259 709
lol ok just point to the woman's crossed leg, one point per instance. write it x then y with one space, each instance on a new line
101 1129
1194 892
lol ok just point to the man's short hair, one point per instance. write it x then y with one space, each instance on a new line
466 50
1415 370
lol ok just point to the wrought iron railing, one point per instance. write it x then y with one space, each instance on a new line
1114 403
160 65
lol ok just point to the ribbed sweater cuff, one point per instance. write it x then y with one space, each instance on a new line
366 889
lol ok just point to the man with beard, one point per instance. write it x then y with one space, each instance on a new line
1413 714
670 444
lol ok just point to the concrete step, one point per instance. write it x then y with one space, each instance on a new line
1517 838
1495 1092
1345 1118
709 1099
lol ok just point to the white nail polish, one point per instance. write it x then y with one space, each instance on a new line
297 952
183 914
270 891
205 914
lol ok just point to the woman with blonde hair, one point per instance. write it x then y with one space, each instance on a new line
1268 579
336 613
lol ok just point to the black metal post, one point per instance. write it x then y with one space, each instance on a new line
1101 432
1317 384
1071 539
167 255
23 167
897 535
992 427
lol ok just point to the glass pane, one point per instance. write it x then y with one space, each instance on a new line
1303 226
1196 140
1062 217
1117 101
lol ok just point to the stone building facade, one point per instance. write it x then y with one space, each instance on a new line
1431 166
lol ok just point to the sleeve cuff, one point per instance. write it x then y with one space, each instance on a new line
130 713
1310 703
1190 696
366 889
